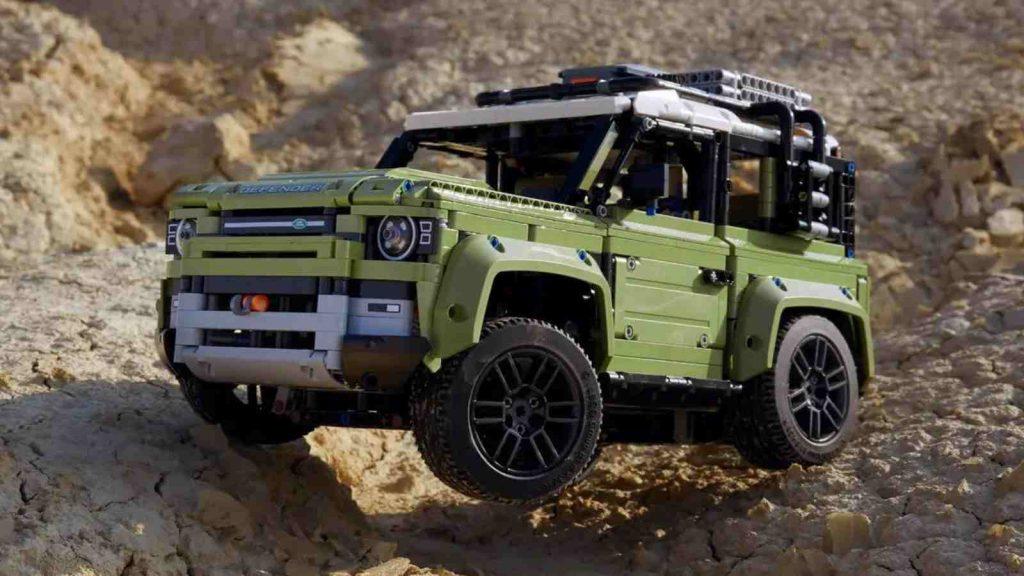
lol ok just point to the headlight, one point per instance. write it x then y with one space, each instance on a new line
179 232
396 237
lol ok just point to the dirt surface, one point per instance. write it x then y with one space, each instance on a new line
105 470
106 105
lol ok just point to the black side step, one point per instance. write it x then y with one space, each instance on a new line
622 390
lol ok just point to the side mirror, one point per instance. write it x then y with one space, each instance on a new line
646 183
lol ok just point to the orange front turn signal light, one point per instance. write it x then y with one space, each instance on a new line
256 302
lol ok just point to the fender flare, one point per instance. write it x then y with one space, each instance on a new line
461 303
760 314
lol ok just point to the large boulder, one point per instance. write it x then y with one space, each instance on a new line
66 107
33 216
1007 227
322 54
194 150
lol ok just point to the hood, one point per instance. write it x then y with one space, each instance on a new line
327 189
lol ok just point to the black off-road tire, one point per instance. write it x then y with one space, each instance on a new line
441 407
217 404
764 428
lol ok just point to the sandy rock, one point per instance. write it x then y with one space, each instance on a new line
945 206
220 510
322 54
65 103
192 151
1000 534
381 551
971 238
949 557
1007 227
979 258
1004 320
874 149
205 550
763 509
394 567
880 264
297 567
804 562
31 201
6 530
845 531
996 196
1012 481
209 437
1013 163
955 326
970 206
896 299
1013 319
964 170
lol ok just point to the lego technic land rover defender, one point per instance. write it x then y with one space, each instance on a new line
650 257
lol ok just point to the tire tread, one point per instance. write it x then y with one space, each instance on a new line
757 431
432 422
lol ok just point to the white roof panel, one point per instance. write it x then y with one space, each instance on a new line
667 105
526 112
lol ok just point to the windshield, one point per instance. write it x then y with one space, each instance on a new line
581 161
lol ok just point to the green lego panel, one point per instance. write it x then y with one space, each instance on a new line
677 322
459 311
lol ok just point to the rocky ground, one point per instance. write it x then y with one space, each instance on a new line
106 105
105 470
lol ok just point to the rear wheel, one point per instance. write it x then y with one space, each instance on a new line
516 418
243 412
805 409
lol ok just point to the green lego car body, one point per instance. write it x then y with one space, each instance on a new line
373 297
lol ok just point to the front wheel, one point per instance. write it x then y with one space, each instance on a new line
805 409
514 419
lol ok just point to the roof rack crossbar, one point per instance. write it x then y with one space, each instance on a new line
615 85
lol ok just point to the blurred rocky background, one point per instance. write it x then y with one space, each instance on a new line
107 105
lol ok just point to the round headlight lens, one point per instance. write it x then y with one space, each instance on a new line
186 230
396 237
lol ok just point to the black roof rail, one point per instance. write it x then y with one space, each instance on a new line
725 88
603 86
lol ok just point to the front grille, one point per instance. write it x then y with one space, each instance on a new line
303 313
264 254
279 222
278 303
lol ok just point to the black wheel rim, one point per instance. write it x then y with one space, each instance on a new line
525 412
819 389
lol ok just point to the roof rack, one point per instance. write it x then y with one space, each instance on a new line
746 87
733 90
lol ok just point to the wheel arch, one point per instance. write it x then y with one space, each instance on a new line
478 263
769 302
